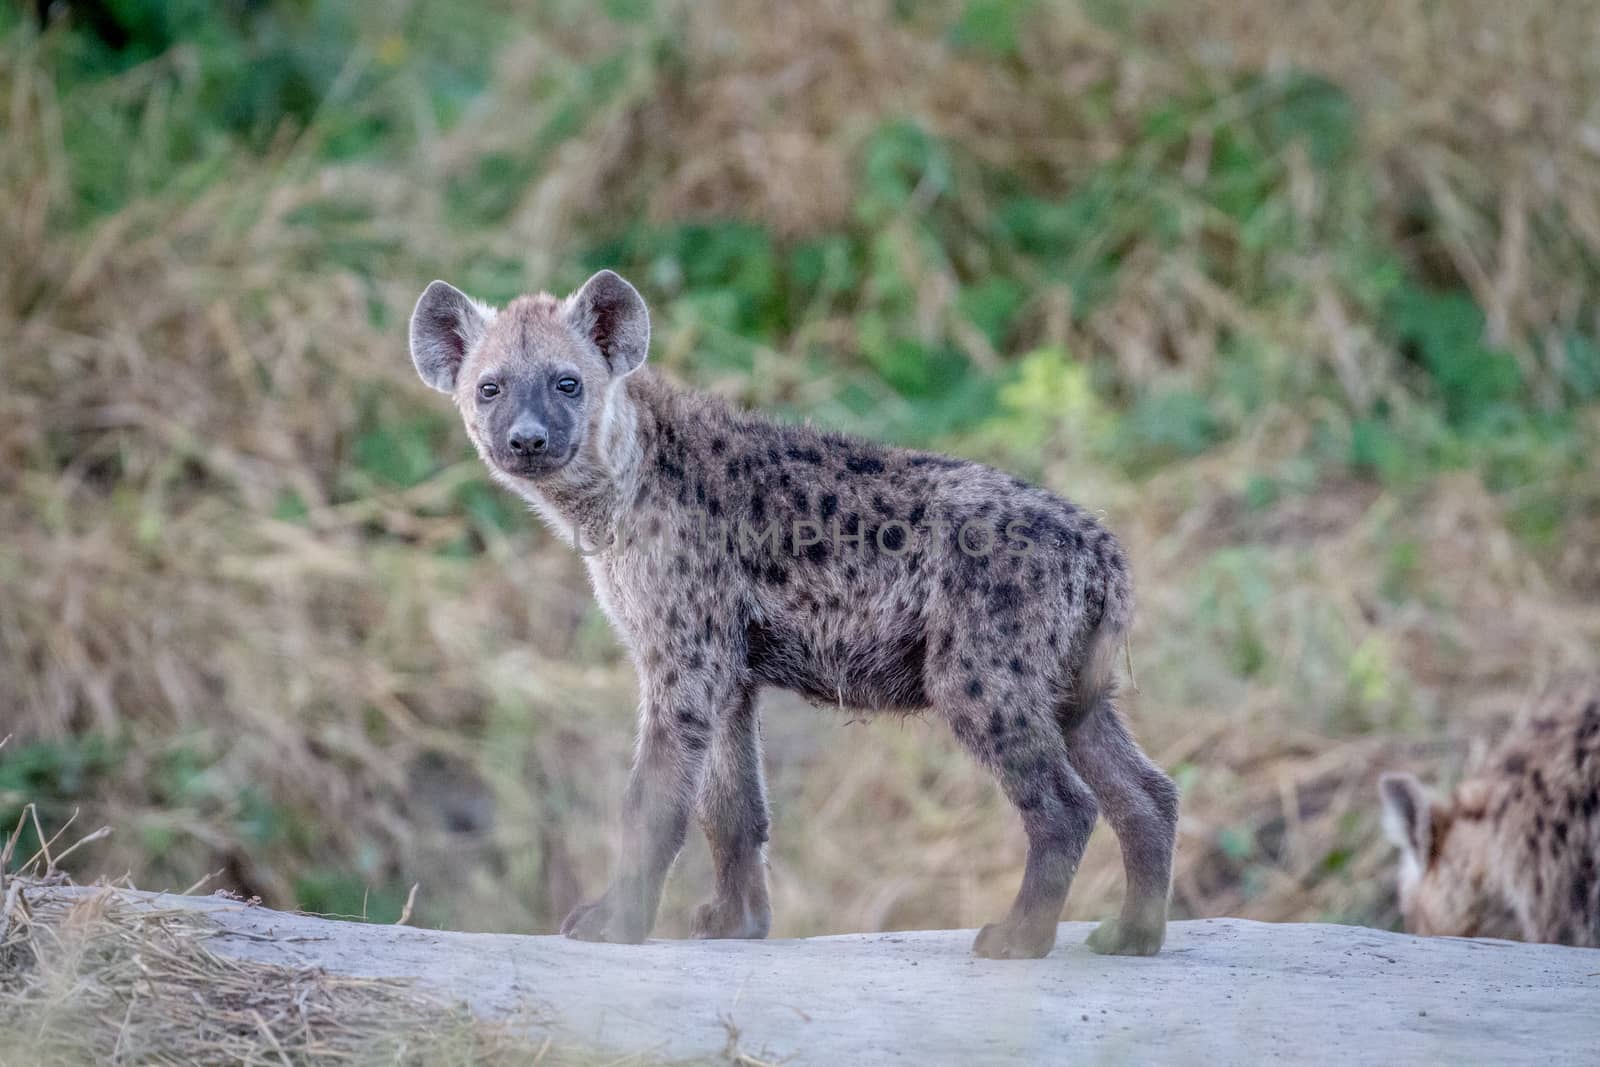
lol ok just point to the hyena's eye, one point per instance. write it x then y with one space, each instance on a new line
568 386
488 391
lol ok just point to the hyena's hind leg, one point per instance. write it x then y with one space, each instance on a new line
733 813
1141 803
1024 748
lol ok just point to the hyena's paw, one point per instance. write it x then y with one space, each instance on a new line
603 921
730 919
1010 940
1117 938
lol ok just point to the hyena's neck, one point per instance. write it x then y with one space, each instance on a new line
585 502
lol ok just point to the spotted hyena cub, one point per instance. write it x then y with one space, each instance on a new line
1515 851
733 553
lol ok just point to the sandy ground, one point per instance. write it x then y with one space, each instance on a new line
1223 991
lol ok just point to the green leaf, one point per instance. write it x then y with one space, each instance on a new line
400 454
1164 425
903 159
1444 333
990 305
994 26
1236 842
1312 111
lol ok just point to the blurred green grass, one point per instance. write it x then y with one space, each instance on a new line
1320 337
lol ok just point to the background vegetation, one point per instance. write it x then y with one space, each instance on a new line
1302 296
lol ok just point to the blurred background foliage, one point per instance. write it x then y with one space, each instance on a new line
1302 297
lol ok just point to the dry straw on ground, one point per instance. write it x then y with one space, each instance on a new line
107 980
103 981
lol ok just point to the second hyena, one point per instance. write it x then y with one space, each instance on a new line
1514 850
732 553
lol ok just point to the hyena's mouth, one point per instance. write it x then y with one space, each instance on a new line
535 466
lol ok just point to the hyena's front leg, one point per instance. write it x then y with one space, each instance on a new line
733 813
673 735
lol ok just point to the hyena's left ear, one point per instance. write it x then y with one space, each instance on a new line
611 313
1408 812
444 327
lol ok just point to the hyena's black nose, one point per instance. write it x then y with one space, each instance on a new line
527 438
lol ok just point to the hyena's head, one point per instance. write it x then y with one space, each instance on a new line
533 379
1448 883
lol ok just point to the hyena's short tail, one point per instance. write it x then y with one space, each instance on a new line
1095 680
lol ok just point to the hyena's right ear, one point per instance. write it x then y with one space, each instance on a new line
444 327
1408 813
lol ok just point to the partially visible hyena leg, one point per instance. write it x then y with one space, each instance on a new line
1141 803
1026 751
733 813
655 815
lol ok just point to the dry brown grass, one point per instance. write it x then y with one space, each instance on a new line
103 981
109 979
1478 113
362 702
1484 113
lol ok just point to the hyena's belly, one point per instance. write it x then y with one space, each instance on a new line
880 671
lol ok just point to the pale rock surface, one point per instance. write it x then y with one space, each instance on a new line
1223 991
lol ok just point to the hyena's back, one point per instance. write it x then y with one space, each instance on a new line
894 579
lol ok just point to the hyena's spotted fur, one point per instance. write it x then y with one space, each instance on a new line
873 593
1515 850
